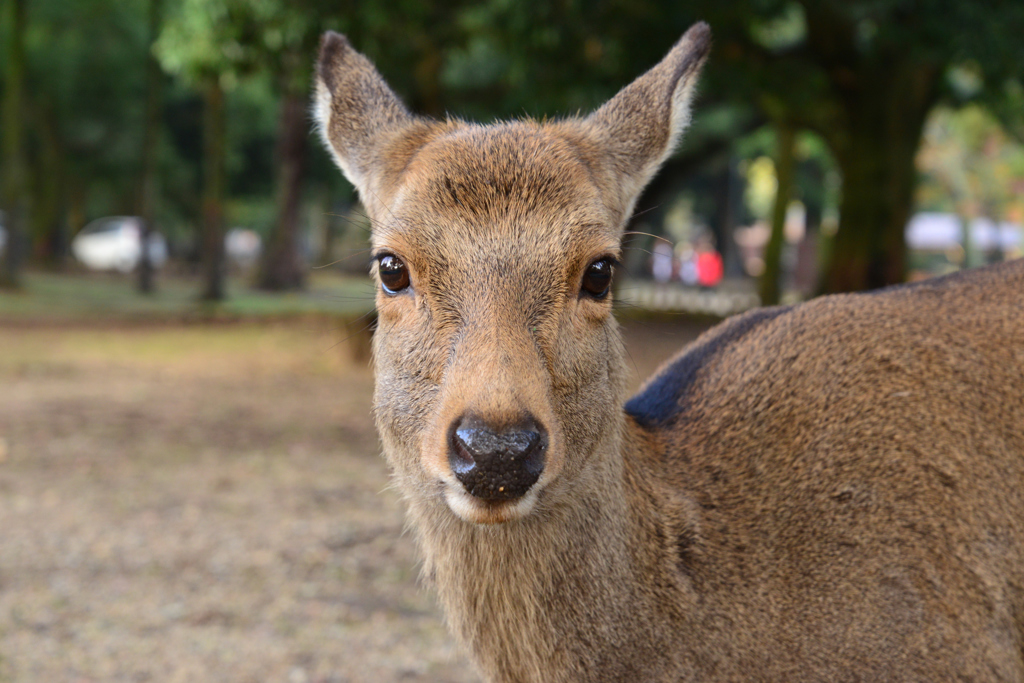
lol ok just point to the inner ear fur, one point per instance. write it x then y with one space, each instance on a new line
362 122
638 129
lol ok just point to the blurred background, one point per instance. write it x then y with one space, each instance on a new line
189 480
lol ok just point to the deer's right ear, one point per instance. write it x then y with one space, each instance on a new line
357 113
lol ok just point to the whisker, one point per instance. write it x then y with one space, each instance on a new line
343 258
647 210
647 234
356 333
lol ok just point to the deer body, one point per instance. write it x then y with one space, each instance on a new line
832 491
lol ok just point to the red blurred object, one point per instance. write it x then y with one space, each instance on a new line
709 268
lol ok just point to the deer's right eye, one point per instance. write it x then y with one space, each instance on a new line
394 276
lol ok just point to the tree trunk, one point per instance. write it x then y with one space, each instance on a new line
283 266
869 249
48 235
146 190
770 287
810 178
876 159
12 198
330 231
213 191
728 204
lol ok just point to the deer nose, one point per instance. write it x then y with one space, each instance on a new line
497 465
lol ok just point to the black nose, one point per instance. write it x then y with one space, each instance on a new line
497 465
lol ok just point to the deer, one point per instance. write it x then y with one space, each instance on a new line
826 491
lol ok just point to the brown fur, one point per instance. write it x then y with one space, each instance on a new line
833 491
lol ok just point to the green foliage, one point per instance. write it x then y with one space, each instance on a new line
229 39
200 41
971 166
821 65
51 296
88 86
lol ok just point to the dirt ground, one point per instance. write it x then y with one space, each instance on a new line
207 503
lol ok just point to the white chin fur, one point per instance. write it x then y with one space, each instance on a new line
474 510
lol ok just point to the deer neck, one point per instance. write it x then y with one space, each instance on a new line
569 588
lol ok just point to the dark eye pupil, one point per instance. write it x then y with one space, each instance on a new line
393 273
598 279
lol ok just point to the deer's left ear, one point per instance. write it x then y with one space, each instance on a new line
638 128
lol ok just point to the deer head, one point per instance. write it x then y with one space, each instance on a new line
498 361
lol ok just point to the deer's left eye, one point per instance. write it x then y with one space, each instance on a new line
394 276
598 279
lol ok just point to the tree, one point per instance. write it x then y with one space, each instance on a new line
283 267
86 108
282 36
14 165
199 42
770 286
970 165
865 74
146 192
214 183
861 73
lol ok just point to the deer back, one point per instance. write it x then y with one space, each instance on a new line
857 468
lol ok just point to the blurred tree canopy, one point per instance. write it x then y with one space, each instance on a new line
987 185
865 75
233 140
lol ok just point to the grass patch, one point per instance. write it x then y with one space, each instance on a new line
52 297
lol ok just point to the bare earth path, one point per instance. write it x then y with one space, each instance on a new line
208 504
